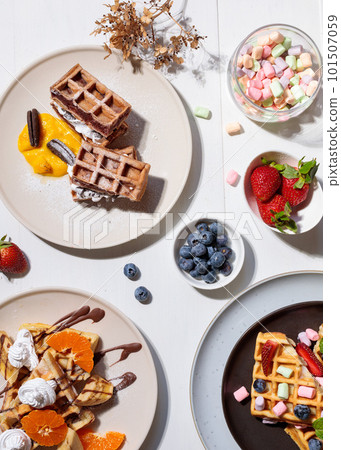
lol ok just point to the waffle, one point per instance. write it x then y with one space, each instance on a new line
106 172
8 372
285 355
89 101
317 350
300 436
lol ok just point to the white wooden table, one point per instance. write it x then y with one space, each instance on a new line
178 315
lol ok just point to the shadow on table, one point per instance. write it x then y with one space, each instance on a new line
242 281
158 428
181 206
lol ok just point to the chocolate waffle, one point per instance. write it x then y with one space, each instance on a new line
107 172
88 100
285 356
301 436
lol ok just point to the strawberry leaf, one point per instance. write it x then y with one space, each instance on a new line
306 167
299 183
279 167
290 172
4 243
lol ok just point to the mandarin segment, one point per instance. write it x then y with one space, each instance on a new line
112 440
45 427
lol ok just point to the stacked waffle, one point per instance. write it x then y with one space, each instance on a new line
280 380
98 114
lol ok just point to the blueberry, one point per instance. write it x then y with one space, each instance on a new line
210 278
142 294
195 274
198 250
201 227
210 251
206 237
186 264
315 444
216 228
193 239
259 386
217 259
222 240
185 252
201 265
130 271
302 412
225 269
227 251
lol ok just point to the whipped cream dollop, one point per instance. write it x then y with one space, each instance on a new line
15 440
79 126
22 352
38 393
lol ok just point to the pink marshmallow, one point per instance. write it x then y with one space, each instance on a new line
320 380
269 70
260 75
254 93
266 83
279 409
269 421
303 86
312 334
302 337
266 93
289 73
241 394
307 392
231 177
255 83
301 427
266 51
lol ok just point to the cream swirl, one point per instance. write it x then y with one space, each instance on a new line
38 393
15 440
22 352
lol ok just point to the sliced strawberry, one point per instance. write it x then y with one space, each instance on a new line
313 364
268 352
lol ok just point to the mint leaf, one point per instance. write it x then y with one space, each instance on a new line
318 427
321 346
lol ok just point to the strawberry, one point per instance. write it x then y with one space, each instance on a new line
265 182
313 364
12 259
276 213
296 181
268 352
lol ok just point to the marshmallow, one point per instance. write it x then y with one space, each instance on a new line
279 409
306 60
266 51
276 88
247 61
301 427
268 102
254 93
266 93
298 93
286 372
257 52
233 128
283 391
249 73
278 50
281 63
320 380
276 37
255 83
289 98
278 70
239 72
284 81
309 72
256 66
241 394
295 80
296 50
269 70
302 337
202 112
266 83
246 49
304 87
260 75
307 392
271 59
289 73
264 40
287 43
291 61
232 176
240 61
306 79
299 66
269 421
311 88
259 403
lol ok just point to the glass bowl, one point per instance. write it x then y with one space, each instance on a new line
259 113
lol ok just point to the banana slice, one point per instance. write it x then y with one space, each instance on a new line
71 442
96 391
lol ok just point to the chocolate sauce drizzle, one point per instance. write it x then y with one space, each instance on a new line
127 350
127 378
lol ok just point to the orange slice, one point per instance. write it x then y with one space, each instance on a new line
79 346
93 441
45 427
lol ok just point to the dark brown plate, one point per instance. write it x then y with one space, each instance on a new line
250 433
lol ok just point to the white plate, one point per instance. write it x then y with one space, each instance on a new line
235 242
220 338
134 411
159 129
306 215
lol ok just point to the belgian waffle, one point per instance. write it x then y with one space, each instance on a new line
317 349
107 172
89 101
286 356
300 436
9 373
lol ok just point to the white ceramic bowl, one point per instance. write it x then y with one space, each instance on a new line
306 215
235 242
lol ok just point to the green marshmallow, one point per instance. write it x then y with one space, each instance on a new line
304 99
284 108
287 43
295 80
268 102
202 112
256 66
299 65
283 391
291 61
286 372
297 92
278 50
276 88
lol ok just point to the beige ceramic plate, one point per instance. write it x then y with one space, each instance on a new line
159 129
134 410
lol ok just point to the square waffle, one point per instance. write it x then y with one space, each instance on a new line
8 372
286 356
89 101
300 436
107 172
